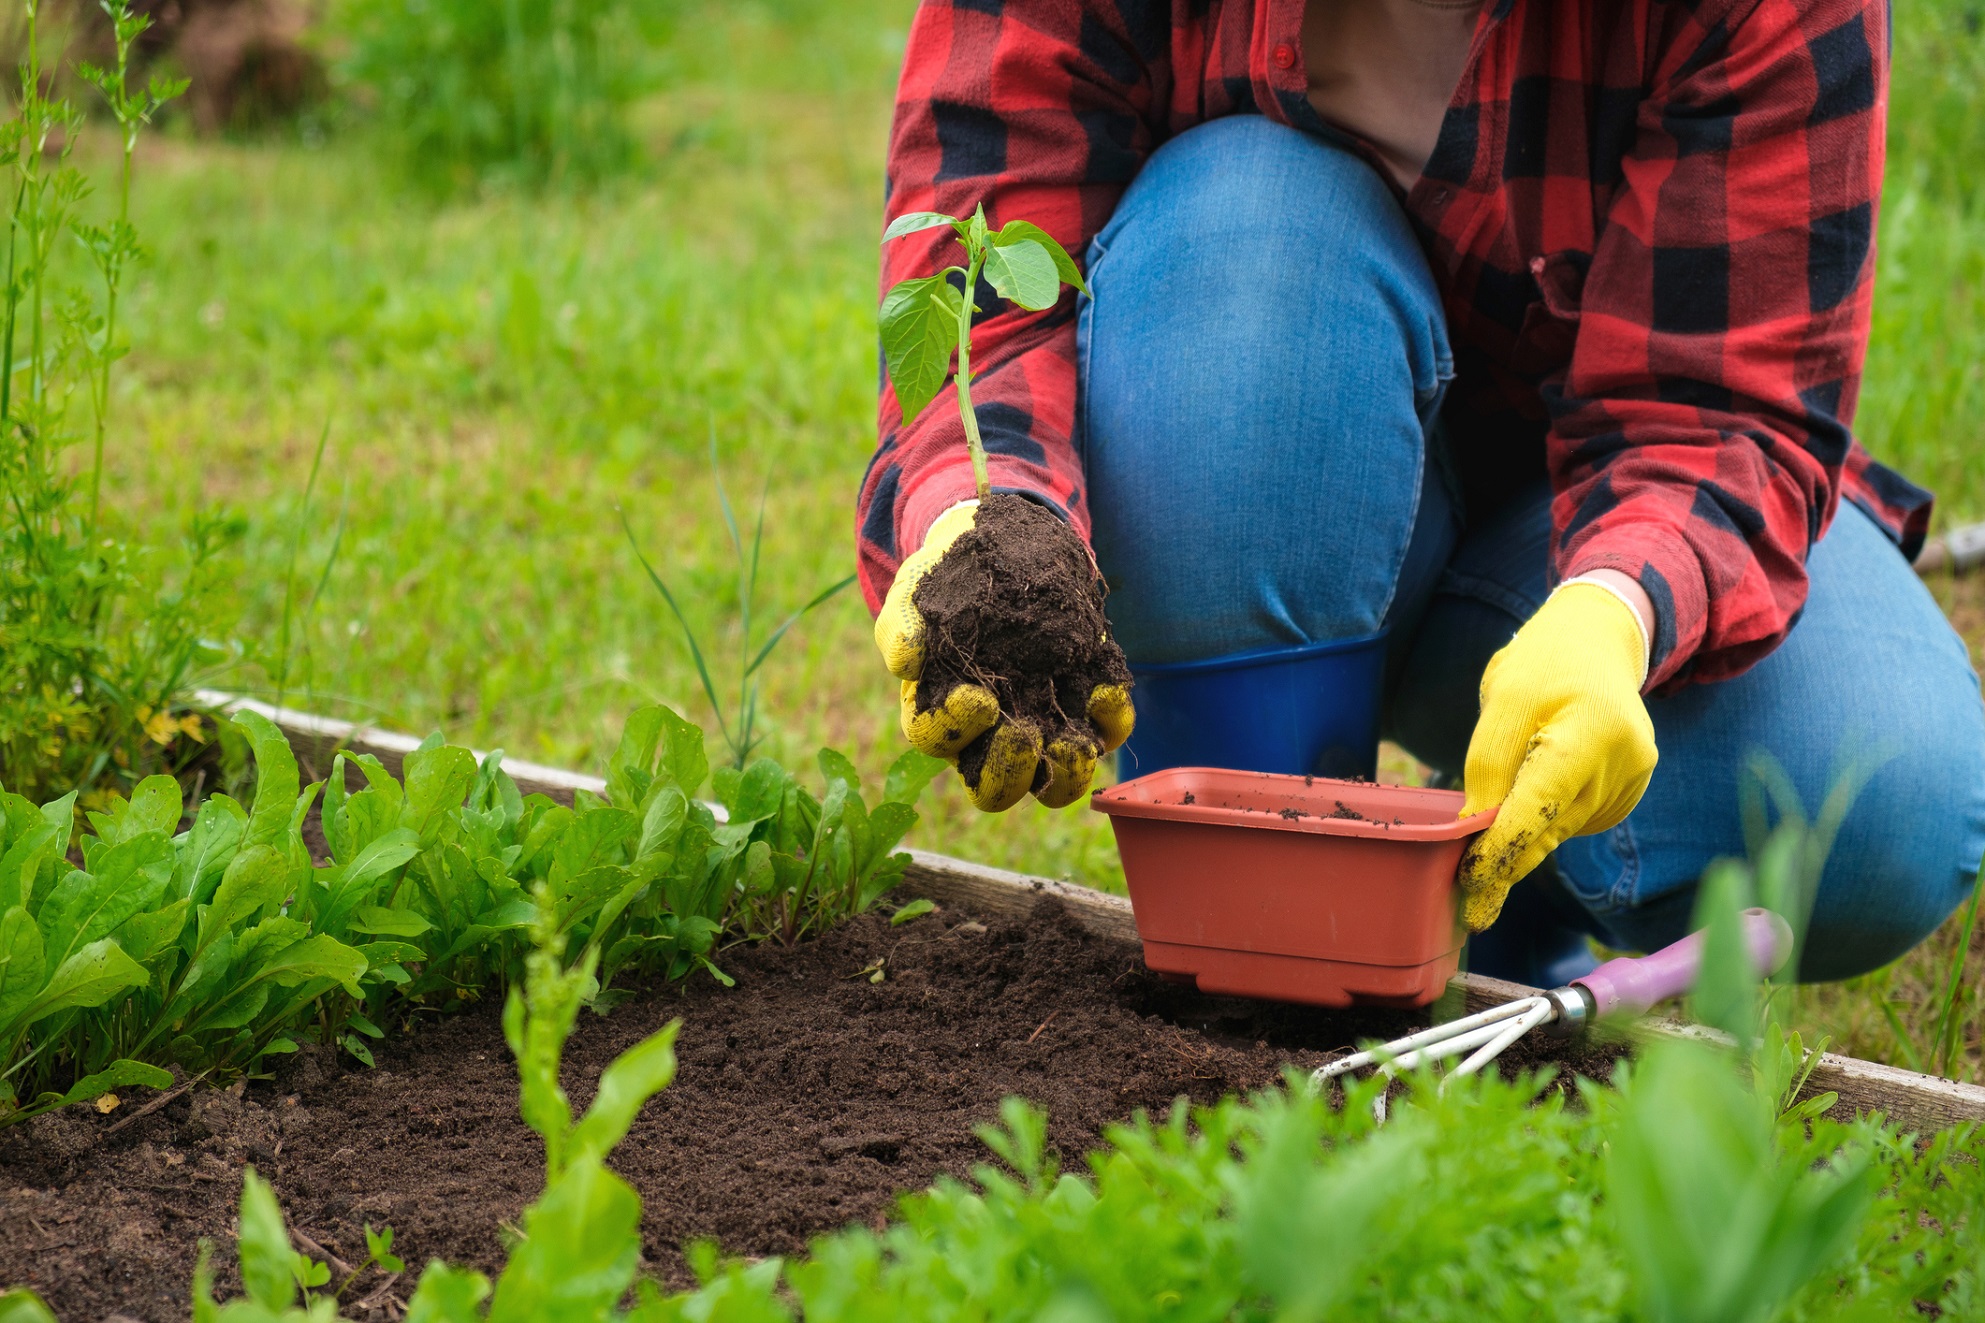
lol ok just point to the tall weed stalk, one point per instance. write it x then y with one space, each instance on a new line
740 726
97 653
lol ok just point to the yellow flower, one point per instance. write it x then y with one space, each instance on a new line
161 728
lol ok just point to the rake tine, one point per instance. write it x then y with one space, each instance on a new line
1403 1053
1517 1028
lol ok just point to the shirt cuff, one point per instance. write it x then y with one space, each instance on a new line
1662 562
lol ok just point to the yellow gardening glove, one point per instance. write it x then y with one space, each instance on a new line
1564 743
1014 756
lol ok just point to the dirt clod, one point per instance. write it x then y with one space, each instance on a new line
1016 605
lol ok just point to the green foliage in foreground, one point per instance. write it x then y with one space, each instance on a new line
209 947
1692 1191
1679 1197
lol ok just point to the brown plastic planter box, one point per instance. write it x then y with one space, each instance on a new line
1293 888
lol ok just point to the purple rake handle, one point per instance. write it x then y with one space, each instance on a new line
1632 984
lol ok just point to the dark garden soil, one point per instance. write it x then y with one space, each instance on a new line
1016 605
808 1097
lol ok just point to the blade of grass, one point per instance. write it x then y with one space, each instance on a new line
1905 1038
1948 1025
688 634
295 551
794 619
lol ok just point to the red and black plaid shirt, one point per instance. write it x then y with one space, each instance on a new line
1651 222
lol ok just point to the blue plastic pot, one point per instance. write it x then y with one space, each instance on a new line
1308 711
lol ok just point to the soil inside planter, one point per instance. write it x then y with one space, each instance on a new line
808 1097
1016 605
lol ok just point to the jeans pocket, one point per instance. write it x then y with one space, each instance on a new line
1602 871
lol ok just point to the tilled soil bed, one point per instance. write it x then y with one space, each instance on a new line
808 1097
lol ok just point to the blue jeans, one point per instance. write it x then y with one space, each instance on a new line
1262 365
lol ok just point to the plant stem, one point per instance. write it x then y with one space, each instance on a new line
1948 1028
972 442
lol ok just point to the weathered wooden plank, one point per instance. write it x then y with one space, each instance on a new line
1910 1100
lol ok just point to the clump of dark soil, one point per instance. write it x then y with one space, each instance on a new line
1016 605
808 1097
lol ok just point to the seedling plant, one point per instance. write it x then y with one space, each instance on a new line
1012 606
926 319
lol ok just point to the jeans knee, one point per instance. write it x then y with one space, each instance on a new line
1905 858
1272 234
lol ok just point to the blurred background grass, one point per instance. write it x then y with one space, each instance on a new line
505 360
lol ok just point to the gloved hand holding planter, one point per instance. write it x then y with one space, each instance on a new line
1564 744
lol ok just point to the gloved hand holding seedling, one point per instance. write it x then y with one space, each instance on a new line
995 625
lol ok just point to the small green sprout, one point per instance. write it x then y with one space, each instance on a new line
924 319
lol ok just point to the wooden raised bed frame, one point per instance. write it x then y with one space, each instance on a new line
1911 1100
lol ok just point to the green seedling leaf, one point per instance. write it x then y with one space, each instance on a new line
146 936
1026 231
682 757
276 781
321 956
661 825
205 852
916 909
912 222
23 967
156 805
836 766
90 977
908 776
355 1045
629 771
379 1248
389 922
1022 272
1726 991
582 1243
258 879
447 1295
348 884
269 1264
121 1074
22 861
130 877
365 1026
24 1306
635 1076
437 780
919 320
380 954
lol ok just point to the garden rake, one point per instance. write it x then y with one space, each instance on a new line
1630 985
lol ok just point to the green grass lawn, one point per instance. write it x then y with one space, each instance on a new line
501 376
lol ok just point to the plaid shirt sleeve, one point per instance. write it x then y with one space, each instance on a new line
1041 110
1699 433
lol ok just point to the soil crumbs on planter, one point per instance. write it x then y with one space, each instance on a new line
1016 605
807 1098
